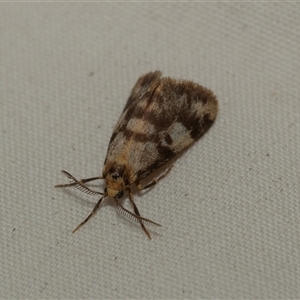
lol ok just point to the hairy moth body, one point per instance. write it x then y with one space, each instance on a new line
161 118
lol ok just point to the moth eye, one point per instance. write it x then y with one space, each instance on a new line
120 194
115 176
105 190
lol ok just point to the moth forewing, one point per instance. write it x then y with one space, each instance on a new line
162 117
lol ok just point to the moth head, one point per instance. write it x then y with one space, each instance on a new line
115 181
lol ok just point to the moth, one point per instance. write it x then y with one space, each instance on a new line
162 117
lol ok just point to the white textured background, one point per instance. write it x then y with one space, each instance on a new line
229 208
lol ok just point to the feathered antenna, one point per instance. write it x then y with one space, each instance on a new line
79 185
133 217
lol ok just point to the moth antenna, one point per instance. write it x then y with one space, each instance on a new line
133 217
80 186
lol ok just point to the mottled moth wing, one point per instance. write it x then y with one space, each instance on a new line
162 117
144 88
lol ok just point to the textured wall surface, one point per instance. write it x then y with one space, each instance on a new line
229 208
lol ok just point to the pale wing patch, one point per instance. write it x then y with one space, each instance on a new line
142 103
143 155
180 137
177 130
155 106
183 142
114 147
138 125
199 109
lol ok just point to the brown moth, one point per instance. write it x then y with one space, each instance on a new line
162 117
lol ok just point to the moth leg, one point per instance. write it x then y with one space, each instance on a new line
136 211
96 207
155 181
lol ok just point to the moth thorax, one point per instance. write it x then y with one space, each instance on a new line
115 181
